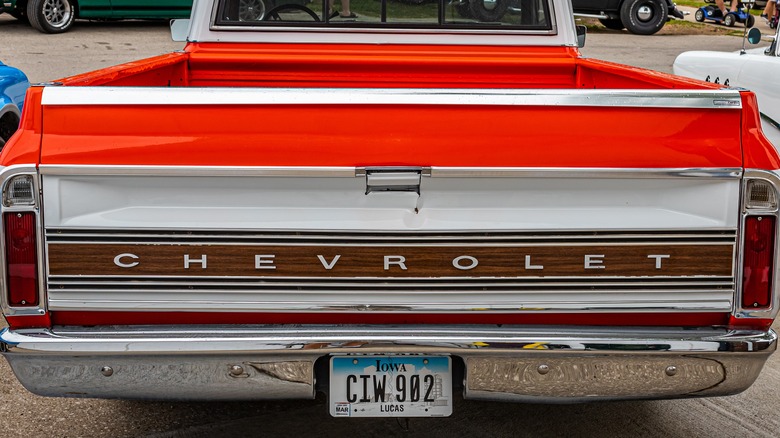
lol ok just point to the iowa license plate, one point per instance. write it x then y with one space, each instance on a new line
390 386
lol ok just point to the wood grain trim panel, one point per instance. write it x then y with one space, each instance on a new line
321 261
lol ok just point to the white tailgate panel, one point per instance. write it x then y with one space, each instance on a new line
341 203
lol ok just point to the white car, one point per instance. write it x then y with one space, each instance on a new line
756 69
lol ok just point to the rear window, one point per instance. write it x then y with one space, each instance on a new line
531 15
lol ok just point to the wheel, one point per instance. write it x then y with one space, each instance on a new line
251 10
644 17
290 12
699 16
750 21
488 10
729 20
612 23
463 9
51 16
772 24
9 123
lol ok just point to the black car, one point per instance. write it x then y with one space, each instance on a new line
642 17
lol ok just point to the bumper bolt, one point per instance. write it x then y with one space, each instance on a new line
107 371
543 369
671 370
236 370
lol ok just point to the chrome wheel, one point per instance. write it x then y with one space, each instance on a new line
58 13
489 5
51 16
251 10
644 13
644 17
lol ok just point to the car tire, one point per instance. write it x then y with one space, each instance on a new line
488 10
644 17
729 20
612 23
463 9
51 16
699 16
750 21
9 123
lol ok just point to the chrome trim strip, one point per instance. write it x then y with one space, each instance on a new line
379 31
292 171
70 362
770 120
601 173
168 339
726 99
440 282
665 307
88 235
326 299
346 172
195 242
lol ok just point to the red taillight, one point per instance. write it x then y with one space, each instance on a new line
21 259
758 264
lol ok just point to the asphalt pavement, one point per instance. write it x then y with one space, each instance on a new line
754 413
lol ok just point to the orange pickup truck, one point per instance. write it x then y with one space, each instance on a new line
394 206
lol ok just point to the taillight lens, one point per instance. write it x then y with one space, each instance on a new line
21 259
758 266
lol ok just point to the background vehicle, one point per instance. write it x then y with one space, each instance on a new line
712 13
13 85
756 70
57 16
641 17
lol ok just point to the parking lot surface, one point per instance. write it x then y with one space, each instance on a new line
754 413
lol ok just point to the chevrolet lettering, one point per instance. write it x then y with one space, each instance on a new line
431 260
386 212
464 262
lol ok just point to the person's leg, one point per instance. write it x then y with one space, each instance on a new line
769 10
345 11
721 6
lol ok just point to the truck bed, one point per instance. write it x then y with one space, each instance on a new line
384 66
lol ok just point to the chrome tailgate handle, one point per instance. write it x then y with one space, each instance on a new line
393 180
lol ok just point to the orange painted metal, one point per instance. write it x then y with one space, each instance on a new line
391 135
385 135
167 70
757 150
349 135
24 147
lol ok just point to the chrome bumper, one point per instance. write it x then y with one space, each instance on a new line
499 363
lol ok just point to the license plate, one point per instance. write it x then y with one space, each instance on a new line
390 386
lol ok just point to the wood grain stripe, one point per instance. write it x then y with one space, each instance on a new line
389 261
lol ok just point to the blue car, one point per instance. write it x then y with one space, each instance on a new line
13 86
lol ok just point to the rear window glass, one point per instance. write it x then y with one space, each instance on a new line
413 14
